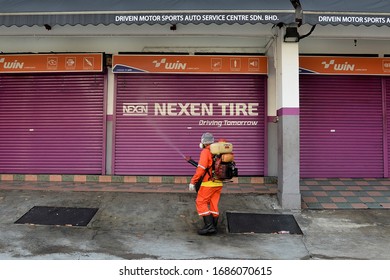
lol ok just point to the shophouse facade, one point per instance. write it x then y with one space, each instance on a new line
88 88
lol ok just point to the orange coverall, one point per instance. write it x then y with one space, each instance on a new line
210 191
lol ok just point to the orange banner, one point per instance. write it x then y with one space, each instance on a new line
205 64
72 62
344 65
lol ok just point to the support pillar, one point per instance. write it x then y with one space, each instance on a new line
287 102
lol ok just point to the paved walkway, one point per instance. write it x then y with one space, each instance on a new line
316 193
345 193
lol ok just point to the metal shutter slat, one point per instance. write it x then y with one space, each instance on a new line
155 145
341 126
52 123
387 88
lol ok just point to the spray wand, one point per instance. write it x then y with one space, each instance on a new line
191 161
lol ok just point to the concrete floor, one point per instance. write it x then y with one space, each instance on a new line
163 226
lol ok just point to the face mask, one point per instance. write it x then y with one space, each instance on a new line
201 145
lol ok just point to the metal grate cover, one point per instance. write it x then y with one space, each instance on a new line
262 223
61 216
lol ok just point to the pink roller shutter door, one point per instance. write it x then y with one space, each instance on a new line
52 123
152 139
386 85
341 126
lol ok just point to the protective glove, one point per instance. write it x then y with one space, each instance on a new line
191 187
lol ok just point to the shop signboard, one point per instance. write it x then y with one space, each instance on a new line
47 63
201 64
344 65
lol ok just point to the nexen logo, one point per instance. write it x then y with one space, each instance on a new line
339 67
170 65
135 109
11 65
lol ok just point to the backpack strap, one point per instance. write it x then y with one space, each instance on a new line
199 183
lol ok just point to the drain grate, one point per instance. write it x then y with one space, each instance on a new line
61 216
262 223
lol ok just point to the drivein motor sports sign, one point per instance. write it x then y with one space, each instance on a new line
204 18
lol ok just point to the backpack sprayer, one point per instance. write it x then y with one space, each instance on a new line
224 167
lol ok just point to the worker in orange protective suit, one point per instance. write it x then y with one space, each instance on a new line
210 190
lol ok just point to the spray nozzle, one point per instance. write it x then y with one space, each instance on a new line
191 161
187 158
